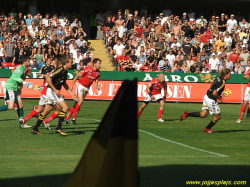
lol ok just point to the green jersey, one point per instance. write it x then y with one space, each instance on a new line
14 82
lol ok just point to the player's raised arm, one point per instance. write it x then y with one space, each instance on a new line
75 79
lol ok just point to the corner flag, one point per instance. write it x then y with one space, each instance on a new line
111 156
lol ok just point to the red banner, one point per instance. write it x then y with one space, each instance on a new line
183 92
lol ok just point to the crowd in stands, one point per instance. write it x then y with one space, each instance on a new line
137 41
187 43
42 38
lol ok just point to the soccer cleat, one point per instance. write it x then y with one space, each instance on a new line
238 121
160 120
73 122
25 126
66 122
36 132
47 125
248 115
184 115
21 123
60 131
208 130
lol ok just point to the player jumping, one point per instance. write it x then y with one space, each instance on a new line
210 103
154 93
88 76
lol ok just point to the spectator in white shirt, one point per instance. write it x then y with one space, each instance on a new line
231 24
214 64
229 63
171 58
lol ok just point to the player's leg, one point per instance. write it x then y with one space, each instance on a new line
161 109
242 111
144 104
77 107
62 115
9 97
71 112
33 113
208 128
40 119
53 116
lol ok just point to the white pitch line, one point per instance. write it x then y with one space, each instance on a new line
181 144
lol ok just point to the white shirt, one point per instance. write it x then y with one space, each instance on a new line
1 52
214 63
101 18
119 49
176 44
74 52
171 59
122 30
229 64
228 41
138 66
78 59
189 63
231 24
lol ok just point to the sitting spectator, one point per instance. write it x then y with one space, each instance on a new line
178 69
222 66
166 67
185 67
206 70
121 60
87 59
138 65
143 58
81 66
239 69
214 64
194 67
154 66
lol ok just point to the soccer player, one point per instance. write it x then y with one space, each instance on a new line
13 89
154 93
88 76
210 103
246 99
51 93
47 68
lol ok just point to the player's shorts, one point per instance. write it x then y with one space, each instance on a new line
44 101
51 97
158 98
247 94
80 89
12 96
211 105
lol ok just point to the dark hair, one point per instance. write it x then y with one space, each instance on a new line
96 60
24 59
224 72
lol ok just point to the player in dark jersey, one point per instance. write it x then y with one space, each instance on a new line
210 103
51 93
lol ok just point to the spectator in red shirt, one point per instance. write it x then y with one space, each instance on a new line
139 31
122 59
204 37
234 57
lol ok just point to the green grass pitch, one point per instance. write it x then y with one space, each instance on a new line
170 153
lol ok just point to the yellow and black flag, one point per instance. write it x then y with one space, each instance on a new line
111 156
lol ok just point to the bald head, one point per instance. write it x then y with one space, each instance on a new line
161 77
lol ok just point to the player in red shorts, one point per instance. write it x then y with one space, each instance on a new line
246 100
154 93
88 76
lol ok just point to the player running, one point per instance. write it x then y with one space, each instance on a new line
13 89
88 76
246 99
47 68
154 93
210 103
51 93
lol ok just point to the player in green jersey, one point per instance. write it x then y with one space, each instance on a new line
13 89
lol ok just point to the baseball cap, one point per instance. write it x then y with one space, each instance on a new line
213 54
213 16
161 14
202 17
130 15
12 14
157 17
222 14
232 15
84 42
217 17
119 10
184 13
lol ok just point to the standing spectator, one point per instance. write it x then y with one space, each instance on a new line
37 19
243 58
100 18
9 51
93 26
139 31
159 46
214 64
186 48
222 24
171 58
130 22
234 57
29 20
231 24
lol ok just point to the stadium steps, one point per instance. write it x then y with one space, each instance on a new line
99 50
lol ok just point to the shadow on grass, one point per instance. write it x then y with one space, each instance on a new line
9 120
225 131
155 176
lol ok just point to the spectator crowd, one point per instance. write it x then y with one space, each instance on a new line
42 38
167 42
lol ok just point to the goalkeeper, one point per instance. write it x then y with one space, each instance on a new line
13 89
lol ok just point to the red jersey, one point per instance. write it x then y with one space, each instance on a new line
89 75
234 57
248 73
156 86
125 58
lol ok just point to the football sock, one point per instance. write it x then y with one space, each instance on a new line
242 111
20 112
77 108
39 122
139 114
30 115
211 124
4 107
194 114
160 114
61 119
51 117
16 106
71 112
